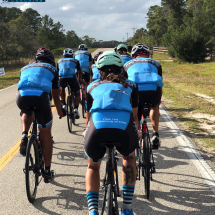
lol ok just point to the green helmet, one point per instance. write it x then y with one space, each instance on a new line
122 46
109 58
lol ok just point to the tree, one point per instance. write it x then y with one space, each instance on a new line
33 19
7 14
72 40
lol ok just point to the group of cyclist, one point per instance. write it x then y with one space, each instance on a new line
120 83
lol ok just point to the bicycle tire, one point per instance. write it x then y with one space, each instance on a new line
83 102
72 108
69 114
109 200
31 165
146 167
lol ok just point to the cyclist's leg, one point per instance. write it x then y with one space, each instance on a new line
63 83
26 120
92 179
154 116
75 87
86 77
44 119
129 171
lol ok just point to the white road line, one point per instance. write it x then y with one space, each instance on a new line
9 87
193 153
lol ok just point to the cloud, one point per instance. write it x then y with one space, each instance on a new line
100 19
66 7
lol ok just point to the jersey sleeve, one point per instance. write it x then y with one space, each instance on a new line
78 67
55 81
160 70
89 102
135 97
90 58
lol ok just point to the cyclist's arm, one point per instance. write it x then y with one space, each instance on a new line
134 99
160 73
91 60
55 93
78 67
89 105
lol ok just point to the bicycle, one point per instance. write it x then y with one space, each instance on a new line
83 97
110 183
70 106
144 151
34 164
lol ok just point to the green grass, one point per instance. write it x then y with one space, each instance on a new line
159 56
181 83
12 72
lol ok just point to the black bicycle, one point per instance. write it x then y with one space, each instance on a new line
144 151
110 183
83 97
70 106
34 164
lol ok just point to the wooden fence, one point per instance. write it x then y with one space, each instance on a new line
9 60
162 50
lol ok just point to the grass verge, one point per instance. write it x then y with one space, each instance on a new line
182 83
12 72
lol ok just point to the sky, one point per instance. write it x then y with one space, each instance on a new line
100 19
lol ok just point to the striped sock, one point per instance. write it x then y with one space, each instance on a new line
128 192
92 200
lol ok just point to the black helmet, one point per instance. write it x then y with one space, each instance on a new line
97 55
83 47
44 54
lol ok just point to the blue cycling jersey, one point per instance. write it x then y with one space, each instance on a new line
111 106
126 58
67 67
144 71
95 71
83 57
36 78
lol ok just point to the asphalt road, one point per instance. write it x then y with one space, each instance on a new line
180 184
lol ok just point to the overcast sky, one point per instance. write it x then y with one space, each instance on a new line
99 19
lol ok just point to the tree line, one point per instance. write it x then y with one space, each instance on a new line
23 32
185 27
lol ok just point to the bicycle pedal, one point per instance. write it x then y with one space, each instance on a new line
153 170
24 171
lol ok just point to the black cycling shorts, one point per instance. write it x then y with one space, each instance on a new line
86 77
93 138
151 96
44 115
73 82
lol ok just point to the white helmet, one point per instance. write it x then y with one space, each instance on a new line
68 51
82 47
139 47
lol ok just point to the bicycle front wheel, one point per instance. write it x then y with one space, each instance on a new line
109 200
31 169
146 166
69 113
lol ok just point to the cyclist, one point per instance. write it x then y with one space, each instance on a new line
85 59
129 49
94 72
66 68
112 105
122 50
147 73
36 82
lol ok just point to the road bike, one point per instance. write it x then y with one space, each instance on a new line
34 164
83 97
110 183
144 153
70 106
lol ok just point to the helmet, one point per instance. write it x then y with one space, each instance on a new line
97 55
129 48
110 61
115 49
138 48
68 51
122 47
44 54
82 47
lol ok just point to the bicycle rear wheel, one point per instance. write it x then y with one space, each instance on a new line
69 113
109 200
31 169
146 166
